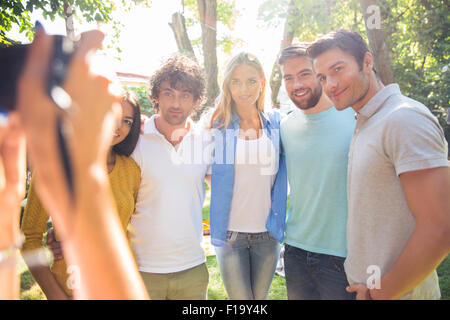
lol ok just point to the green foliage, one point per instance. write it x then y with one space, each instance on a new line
144 102
313 17
419 42
14 12
273 12
17 12
226 12
226 19
443 272
417 35
227 43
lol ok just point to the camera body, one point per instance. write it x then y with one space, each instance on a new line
12 62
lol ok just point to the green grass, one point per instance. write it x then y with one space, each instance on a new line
205 210
216 289
29 290
444 278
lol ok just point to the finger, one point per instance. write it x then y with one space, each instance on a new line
32 85
3 130
13 151
56 246
89 42
50 238
38 57
57 251
355 288
57 258
351 288
51 234
49 241
360 289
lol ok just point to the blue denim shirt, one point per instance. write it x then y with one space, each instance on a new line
222 179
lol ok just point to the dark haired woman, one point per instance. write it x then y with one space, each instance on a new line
124 178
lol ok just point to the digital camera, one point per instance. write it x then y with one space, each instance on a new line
12 62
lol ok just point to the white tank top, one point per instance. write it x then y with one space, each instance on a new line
256 165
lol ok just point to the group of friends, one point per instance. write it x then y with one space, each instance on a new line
366 168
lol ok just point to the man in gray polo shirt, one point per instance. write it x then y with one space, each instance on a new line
398 228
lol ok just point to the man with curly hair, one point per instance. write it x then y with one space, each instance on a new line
166 228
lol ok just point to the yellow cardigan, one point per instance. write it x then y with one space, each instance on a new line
125 179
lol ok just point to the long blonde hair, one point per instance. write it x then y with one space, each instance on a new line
223 111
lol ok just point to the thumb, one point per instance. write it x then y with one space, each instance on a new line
352 288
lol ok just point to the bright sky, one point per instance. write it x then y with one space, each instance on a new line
147 39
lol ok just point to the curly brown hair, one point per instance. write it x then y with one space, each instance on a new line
180 71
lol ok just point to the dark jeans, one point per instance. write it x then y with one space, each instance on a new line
314 276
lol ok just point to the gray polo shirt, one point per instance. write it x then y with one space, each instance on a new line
394 134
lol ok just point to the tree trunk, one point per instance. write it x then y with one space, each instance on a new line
288 36
377 39
70 31
208 20
178 27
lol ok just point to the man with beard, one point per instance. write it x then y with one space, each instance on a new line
316 139
167 224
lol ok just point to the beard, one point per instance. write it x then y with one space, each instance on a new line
364 89
311 102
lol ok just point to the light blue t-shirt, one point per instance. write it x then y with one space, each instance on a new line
316 148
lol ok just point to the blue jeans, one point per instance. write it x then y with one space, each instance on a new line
247 264
314 276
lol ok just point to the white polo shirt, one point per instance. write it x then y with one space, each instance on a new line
167 224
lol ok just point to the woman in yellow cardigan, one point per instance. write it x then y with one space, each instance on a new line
124 178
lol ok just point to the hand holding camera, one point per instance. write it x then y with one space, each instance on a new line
68 147
88 118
